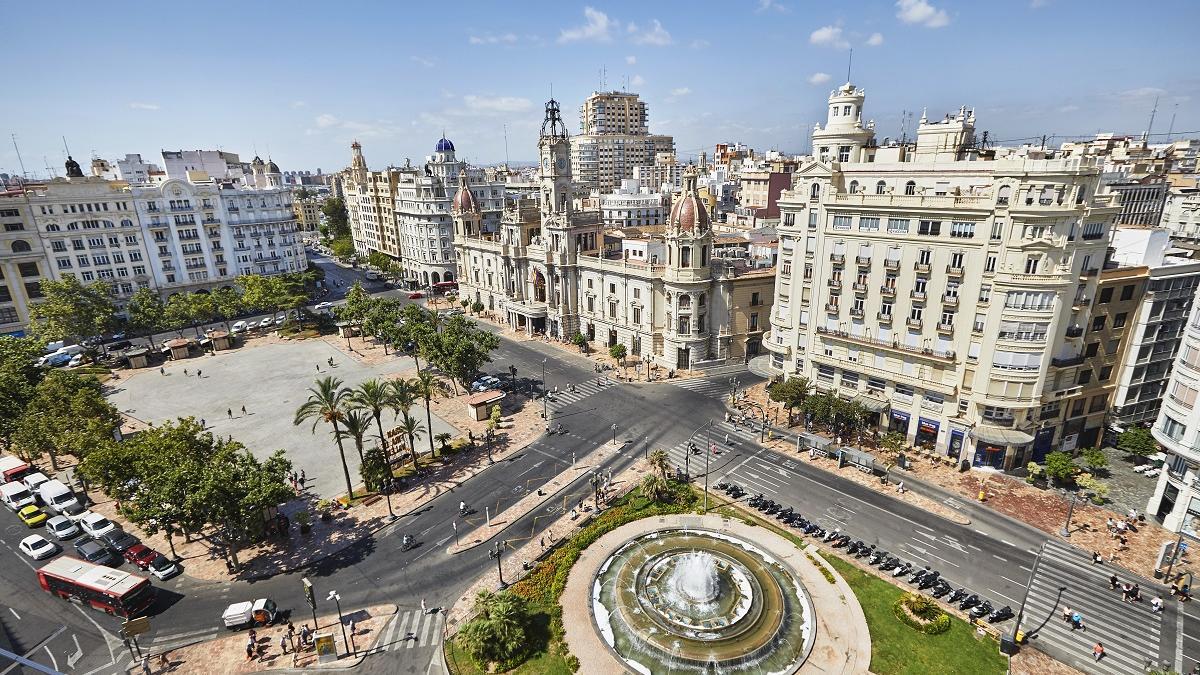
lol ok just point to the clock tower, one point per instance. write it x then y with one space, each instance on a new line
555 150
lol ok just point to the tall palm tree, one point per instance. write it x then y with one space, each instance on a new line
327 403
660 463
425 385
411 427
374 396
443 440
356 424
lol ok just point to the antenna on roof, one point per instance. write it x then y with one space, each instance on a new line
1153 112
505 146
49 171
1171 128
849 63
24 173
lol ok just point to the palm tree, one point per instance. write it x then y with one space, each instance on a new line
498 631
356 424
426 386
660 463
374 397
443 440
411 427
403 397
653 486
327 403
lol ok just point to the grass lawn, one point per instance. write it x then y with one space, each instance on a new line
543 660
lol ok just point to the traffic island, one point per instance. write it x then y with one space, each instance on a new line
228 654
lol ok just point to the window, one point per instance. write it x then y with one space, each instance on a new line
28 269
898 225
866 224
962 230
1127 292
929 227
754 321
1085 376
904 391
1183 395
844 155
853 187
612 310
637 315
612 288
1030 300
1119 319
1106 295
997 230
1105 373
841 222
910 188
1172 428
813 220
1098 322
1093 348
989 265
1077 408
815 191
985 293
755 299
880 187
1031 263
1002 196
849 379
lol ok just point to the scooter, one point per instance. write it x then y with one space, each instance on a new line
877 557
929 581
902 570
407 542
969 602
1002 614
816 531
852 547
866 551
918 577
841 541
983 609
832 534
891 563
942 588
957 595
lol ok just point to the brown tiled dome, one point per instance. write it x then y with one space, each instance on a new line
464 201
689 214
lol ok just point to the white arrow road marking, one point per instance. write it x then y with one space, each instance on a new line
74 658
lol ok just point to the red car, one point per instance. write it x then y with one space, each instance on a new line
140 555
416 295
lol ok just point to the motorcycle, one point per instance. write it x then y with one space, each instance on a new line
852 547
832 534
941 588
929 581
918 577
877 557
841 541
957 595
890 563
969 602
981 610
902 570
407 542
865 551
817 531
1002 614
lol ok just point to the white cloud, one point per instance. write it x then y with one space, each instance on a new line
631 60
700 44
490 39
497 104
681 91
818 78
875 40
1141 93
631 27
299 104
325 120
828 36
143 106
638 81
597 28
420 60
765 5
1069 108
922 13
656 35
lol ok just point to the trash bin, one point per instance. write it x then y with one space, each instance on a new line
1007 645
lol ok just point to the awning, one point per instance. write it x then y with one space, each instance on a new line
814 441
1002 436
535 310
871 403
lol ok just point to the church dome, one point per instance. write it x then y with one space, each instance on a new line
272 167
689 214
464 200
444 145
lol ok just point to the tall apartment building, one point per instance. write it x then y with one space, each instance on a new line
667 299
1181 213
615 138
930 282
216 164
1156 327
665 171
22 263
1176 499
634 204
308 213
1142 200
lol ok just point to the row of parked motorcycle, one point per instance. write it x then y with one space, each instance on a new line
924 579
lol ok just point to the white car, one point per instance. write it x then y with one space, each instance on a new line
239 326
34 480
321 307
37 547
95 524
162 568
76 361
281 320
62 527
74 512
266 322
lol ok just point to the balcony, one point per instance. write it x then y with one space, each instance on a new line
1081 301
1066 362
856 312
196 266
891 264
888 291
887 344
1091 272
914 323
919 296
884 318
923 267
863 261
211 221
945 328
860 287
181 208
831 308
837 258
835 284
954 270
949 300
188 237
1074 331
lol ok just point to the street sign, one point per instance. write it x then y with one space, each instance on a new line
136 626
308 593
326 648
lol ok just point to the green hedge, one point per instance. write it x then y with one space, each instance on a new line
937 621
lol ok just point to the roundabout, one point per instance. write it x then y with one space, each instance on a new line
708 594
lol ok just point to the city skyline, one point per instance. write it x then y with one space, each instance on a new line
477 79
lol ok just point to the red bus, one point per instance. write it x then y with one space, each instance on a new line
445 287
102 588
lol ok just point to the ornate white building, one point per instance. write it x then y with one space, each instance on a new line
945 289
1176 499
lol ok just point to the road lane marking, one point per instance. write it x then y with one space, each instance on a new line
74 658
1014 582
416 631
14 613
49 653
176 636
999 558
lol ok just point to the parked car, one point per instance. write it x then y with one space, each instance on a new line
266 322
96 553
485 383
162 568
322 306
32 516
416 295
34 480
453 312
118 345
140 555
119 540
279 321
95 524
62 528
258 613
37 547
74 512
16 496
239 326
55 360
75 361
56 496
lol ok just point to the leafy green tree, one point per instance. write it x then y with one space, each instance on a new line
68 414
337 218
1137 441
343 248
379 260
617 352
258 293
237 488
426 386
380 318
460 349
654 487
327 402
19 378
375 470
188 310
1094 459
476 307
357 307
227 304
1061 466
69 309
790 392
443 440
579 340
147 313
659 463
374 397
497 634
893 442
355 425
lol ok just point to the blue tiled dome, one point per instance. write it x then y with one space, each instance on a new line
444 145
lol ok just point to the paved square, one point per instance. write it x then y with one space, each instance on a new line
271 380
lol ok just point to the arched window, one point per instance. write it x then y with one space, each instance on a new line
1003 195
52 228
880 187
72 226
853 186
127 223
910 188
685 302
815 191
20 246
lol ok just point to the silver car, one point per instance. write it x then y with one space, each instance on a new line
62 528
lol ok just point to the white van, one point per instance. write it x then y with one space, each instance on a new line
33 481
56 496
15 495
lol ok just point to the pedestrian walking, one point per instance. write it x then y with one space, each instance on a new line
726 439
229 411
1067 614
1112 582
1077 622
352 628
162 371
146 665
249 651
423 609
253 636
283 643
1156 605
243 410
197 373
542 542
318 367
203 423
303 478
185 372
1126 589
1098 651
1135 594
1097 558
163 661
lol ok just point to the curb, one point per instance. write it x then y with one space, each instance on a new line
363 654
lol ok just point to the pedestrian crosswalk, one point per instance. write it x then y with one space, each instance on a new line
168 641
683 456
411 629
1130 632
713 387
569 395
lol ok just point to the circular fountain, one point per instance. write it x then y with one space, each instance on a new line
697 601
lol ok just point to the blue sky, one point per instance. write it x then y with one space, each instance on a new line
300 80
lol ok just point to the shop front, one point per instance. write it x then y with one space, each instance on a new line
875 408
1041 444
999 447
954 448
899 422
927 433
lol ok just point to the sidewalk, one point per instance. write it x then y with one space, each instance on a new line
228 654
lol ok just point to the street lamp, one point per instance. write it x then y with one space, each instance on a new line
614 430
496 553
337 600
488 436
1066 528
545 401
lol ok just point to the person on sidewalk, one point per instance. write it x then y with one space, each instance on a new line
146 665
423 608
197 373
1066 614
162 371
1156 605
243 410
1112 582
229 411
249 651
1098 651
1077 622
283 643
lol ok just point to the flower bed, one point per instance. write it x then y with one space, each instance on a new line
921 613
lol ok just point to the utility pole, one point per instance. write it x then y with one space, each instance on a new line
545 402
496 553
